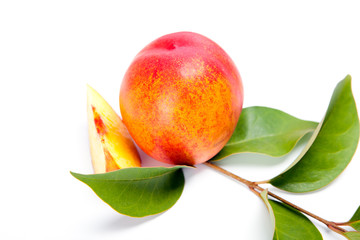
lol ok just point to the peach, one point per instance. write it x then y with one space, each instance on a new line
181 98
111 145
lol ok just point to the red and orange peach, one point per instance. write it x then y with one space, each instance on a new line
181 98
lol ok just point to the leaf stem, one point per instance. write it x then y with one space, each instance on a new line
262 182
254 187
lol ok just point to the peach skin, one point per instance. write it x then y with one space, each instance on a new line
181 98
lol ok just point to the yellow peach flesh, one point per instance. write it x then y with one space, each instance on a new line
111 146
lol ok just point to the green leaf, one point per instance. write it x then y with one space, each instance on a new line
266 131
329 150
288 222
138 192
352 235
355 220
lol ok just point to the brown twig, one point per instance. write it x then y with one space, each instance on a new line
254 186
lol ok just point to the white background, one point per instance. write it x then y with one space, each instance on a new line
290 56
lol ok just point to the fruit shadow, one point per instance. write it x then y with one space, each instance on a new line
147 161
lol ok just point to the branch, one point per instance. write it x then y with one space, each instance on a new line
254 187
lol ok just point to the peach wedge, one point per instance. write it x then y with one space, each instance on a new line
111 145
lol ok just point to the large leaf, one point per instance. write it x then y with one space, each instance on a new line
288 222
267 131
138 192
352 235
330 149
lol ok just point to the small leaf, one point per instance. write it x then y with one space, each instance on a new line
288 222
329 150
355 220
138 192
266 131
352 235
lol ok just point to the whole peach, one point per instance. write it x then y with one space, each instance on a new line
181 98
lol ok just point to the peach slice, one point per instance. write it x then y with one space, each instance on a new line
111 145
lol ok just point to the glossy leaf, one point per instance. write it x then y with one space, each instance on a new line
266 131
137 192
352 235
329 150
288 222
